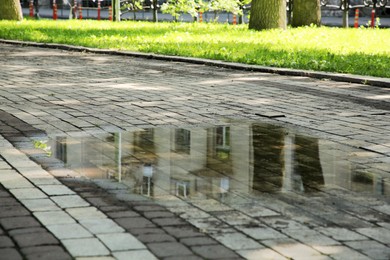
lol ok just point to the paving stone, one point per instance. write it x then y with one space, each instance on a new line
158 214
35 239
341 234
261 253
262 233
85 213
13 180
31 230
67 231
211 205
214 252
182 231
40 205
116 209
122 214
10 253
3 194
340 252
135 222
13 211
96 258
44 180
169 221
310 237
120 241
187 257
46 253
70 201
85 247
144 208
370 248
99 202
8 201
5 242
56 190
198 241
292 249
134 254
166 249
237 241
146 231
380 234
153 238
19 222
53 217
101 226
28 193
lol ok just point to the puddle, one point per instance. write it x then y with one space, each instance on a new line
245 158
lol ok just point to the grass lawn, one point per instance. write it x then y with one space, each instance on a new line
357 51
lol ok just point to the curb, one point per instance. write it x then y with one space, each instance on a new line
350 78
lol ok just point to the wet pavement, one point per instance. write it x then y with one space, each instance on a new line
111 157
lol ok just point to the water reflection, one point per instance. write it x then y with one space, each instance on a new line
215 162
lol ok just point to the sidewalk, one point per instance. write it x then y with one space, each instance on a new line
181 139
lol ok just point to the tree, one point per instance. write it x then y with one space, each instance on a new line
10 10
306 12
176 7
268 14
230 6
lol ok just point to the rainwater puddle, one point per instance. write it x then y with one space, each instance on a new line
215 162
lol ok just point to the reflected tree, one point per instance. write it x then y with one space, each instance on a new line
268 162
308 163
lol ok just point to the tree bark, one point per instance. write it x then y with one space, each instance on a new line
306 12
268 14
10 10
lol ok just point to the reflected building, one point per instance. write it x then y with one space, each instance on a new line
198 163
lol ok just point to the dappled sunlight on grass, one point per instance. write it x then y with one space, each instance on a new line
357 51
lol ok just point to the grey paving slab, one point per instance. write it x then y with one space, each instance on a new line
40 205
70 201
134 254
120 241
68 231
54 217
28 193
85 213
101 226
53 190
83 247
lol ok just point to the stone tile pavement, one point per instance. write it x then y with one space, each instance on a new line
49 212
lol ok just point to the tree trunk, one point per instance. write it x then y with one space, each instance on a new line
10 10
268 14
306 12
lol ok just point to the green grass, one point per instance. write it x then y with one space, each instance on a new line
356 51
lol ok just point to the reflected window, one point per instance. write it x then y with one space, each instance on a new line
223 142
182 141
147 180
61 149
181 187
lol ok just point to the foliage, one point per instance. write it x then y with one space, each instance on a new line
175 7
42 144
192 7
358 51
231 6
